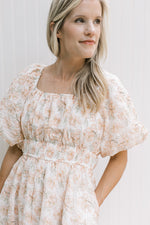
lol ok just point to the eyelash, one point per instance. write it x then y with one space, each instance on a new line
82 20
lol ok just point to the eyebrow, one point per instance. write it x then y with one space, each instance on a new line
85 16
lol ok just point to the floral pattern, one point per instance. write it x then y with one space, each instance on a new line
53 181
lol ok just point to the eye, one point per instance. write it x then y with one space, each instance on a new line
98 21
79 19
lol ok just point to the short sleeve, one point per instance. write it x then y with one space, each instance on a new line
122 128
11 107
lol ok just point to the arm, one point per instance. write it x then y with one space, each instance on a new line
111 175
12 155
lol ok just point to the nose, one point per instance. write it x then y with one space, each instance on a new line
90 28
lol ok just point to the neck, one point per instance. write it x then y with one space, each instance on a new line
65 70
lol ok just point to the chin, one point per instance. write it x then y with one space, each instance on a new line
88 56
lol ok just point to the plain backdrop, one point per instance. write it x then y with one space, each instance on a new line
23 42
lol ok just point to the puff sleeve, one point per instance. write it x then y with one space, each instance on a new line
11 107
122 128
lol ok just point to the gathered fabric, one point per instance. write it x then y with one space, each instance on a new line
53 181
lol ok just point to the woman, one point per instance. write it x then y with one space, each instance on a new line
59 118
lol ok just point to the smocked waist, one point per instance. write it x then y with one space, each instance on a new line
54 152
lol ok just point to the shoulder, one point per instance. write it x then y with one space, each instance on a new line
111 77
115 84
30 71
27 76
24 81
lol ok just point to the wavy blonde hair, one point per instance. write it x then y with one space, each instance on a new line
89 83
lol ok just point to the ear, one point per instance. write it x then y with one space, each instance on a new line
52 26
58 34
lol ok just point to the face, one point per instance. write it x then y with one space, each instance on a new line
83 23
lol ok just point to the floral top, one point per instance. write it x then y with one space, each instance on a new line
53 182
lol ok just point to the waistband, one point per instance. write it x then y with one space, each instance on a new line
74 156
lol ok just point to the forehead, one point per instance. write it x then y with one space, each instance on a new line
87 7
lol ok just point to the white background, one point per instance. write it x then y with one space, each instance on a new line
23 42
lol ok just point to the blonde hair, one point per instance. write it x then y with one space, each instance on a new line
89 85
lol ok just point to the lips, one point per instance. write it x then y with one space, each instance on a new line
90 42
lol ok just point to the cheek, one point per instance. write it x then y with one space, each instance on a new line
98 31
73 32
98 35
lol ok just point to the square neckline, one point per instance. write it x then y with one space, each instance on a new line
49 93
